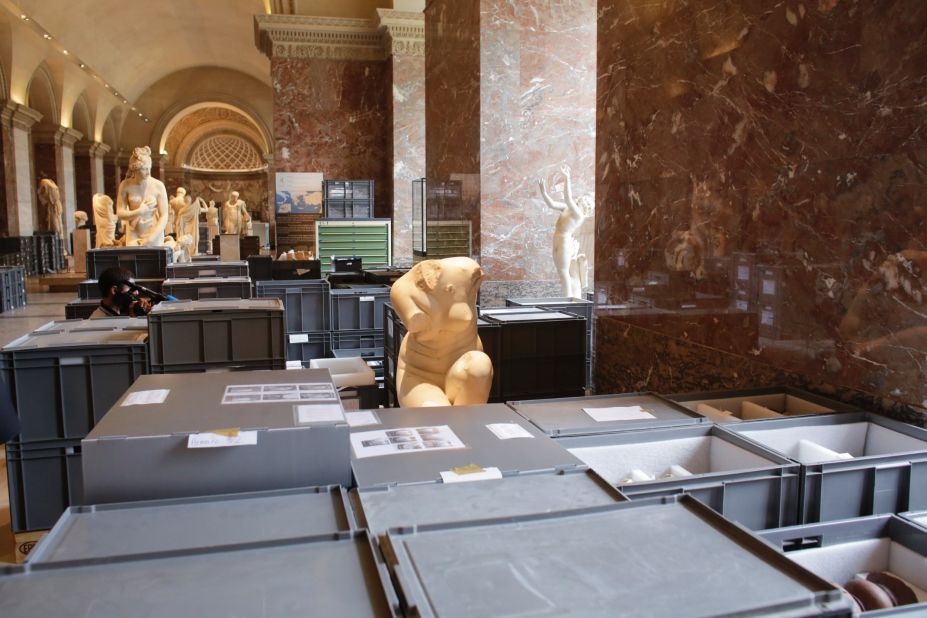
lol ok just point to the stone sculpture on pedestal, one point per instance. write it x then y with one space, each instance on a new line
50 201
177 204
570 263
235 216
105 220
441 359
141 202
80 219
187 226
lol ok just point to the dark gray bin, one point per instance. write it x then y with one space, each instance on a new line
357 339
199 335
738 478
205 257
323 575
43 478
195 270
63 380
656 558
307 303
358 309
302 347
203 288
918 518
838 550
80 309
784 401
446 503
107 531
90 290
483 448
565 416
887 472
143 262
140 452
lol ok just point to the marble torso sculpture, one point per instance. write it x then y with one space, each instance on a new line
441 359
569 262
105 220
235 217
50 200
141 202
177 204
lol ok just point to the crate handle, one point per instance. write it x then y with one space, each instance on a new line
73 360
806 542
207 273
209 290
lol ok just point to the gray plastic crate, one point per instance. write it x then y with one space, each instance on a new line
356 339
918 518
652 558
469 424
322 575
301 347
358 309
738 478
887 471
44 478
199 335
97 324
140 452
89 290
444 503
143 262
12 288
839 550
566 417
107 531
63 381
203 288
80 309
195 270
780 401
307 303
205 257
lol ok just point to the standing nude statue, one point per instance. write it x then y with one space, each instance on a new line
141 202
235 217
177 203
569 262
105 220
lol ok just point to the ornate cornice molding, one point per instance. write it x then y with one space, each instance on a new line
19 116
59 136
332 38
403 32
96 150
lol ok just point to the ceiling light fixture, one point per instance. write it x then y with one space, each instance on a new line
64 51
82 65
23 17
47 36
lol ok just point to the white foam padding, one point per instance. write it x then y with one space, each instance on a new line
839 563
807 451
699 455
352 371
858 439
638 476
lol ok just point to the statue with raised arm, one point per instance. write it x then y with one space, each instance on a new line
141 202
177 204
570 263
105 220
235 216
50 200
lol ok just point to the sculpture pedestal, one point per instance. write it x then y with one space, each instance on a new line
229 248
81 240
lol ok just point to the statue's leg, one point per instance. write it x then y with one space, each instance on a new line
415 392
469 379
582 265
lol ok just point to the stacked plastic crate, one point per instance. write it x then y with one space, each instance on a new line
12 288
308 317
147 264
357 324
205 280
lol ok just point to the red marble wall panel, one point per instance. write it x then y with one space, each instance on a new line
769 161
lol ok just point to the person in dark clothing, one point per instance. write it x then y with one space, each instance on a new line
118 298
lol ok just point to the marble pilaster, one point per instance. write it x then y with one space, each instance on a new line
17 121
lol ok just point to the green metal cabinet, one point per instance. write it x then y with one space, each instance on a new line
370 239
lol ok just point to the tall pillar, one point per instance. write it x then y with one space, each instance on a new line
97 175
404 40
110 174
17 121
270 207
510 99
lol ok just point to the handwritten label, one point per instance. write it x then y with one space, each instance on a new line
507 431
769 287
222 438
470 473
299 338
743 273
366 299
141 398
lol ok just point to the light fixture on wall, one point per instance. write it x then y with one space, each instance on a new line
47 36
64 51
82 65
24 17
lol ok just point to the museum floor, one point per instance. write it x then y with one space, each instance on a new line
43 307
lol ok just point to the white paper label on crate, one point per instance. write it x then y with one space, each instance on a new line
366 299
294 364
215 440
306 414
507 431
404 440
769 287
743 273
299 338
362 418
741 305
488 474
618 413
141 398
766 318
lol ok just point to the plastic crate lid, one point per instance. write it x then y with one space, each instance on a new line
566 416
532 317
321 576
77 339
442 503
206 281
193 403
150 527
207 265
536 302
96 324
217 304
656 558
482 447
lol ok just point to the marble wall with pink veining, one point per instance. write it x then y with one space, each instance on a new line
760 179
407 146
511 98
332 116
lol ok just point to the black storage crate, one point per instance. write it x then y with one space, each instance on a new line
187 336
24 247
196 270
62 383
89 290
358 308
384 276
260 267
45 478
349 199
80 309
355 339
307 303
12 288
303 347
206 257
292 270
144 262
203 288
50 255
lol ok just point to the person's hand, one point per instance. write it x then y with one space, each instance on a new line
565 170
542 184
140 308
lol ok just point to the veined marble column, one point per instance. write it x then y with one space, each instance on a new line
404 39
17 121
